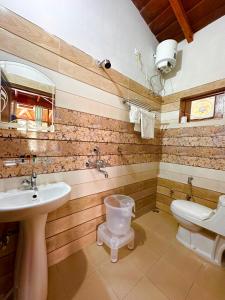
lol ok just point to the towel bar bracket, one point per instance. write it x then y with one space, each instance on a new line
137 103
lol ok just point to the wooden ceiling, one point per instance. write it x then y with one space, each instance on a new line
179 19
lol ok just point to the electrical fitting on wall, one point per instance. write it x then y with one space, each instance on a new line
147 76
165 61
140 65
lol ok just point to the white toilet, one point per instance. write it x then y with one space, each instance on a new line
202 229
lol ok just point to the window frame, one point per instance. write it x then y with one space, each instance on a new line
185 105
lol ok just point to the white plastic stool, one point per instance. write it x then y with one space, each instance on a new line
114 242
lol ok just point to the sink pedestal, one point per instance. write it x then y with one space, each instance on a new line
31 274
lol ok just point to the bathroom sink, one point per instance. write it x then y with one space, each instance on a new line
17 205
31 208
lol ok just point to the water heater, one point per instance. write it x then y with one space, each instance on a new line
165 57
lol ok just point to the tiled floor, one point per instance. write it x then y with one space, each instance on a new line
159 268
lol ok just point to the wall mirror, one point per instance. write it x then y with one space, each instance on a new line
27 98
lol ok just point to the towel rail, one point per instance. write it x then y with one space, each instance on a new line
137 103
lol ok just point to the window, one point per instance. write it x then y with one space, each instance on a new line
202 107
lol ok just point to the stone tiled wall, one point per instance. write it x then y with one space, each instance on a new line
72 144
197 146
196 149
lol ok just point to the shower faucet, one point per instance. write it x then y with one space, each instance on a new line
98 164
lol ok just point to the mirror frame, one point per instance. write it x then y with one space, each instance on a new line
37 128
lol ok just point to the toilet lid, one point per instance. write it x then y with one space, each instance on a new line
190 209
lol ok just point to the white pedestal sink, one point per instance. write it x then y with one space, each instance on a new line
31 274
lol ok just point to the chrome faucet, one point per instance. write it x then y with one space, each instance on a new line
99 163
33 181
31 184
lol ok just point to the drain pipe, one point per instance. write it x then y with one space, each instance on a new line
189 194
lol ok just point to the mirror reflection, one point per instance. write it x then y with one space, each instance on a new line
27 98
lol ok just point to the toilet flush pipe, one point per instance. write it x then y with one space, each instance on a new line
189 194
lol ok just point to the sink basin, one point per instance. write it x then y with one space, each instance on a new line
17 205
31 209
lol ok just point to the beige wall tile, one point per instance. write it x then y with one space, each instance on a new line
27 50
29 31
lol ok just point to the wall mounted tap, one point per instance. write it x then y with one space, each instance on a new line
99 163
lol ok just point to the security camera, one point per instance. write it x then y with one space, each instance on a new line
104 64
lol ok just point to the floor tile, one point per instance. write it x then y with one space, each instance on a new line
197 293
183 259
169 280
167 231
158 268
97 254
157 243
56 289
73 271
149 220
212 279
145 290
141 235
94 287
143 258
120 276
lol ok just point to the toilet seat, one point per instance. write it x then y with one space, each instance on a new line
188 209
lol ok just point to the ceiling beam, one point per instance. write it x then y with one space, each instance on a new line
182 19
144 7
